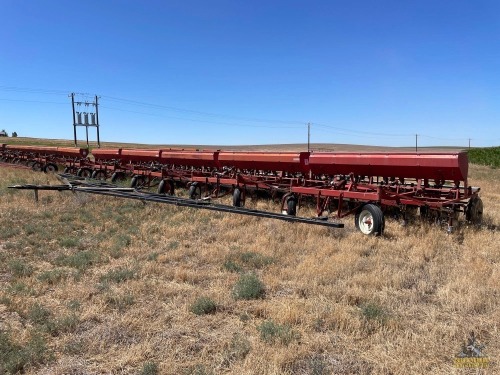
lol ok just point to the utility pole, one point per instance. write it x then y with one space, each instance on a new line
74 119
88 118
416 142
308 137
97 121
469 143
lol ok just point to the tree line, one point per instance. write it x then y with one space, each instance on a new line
4 133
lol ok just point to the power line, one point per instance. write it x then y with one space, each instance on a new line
155 106
210 114
33 91
360 131
442 139
205 121
292 124
354 133
31 101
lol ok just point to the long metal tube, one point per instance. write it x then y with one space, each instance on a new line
211 206
182 202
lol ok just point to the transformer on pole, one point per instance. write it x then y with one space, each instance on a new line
89 115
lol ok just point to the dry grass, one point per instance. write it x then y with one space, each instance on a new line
90 285
269 147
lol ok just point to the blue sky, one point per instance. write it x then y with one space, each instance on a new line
255 72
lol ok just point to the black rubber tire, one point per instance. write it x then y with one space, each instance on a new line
237 197
133 182
137 181
165 187
194 191
161 187
172 187
84 172
99 174
37 166
291 206
370 220
117 176
50 168
474 211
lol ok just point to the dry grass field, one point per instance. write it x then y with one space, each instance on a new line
90 285
270 147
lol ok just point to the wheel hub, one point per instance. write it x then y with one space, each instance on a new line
366 222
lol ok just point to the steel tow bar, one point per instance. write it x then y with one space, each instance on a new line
128 193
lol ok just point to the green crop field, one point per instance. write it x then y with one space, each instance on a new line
485 156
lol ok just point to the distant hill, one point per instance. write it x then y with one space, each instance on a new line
268 147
